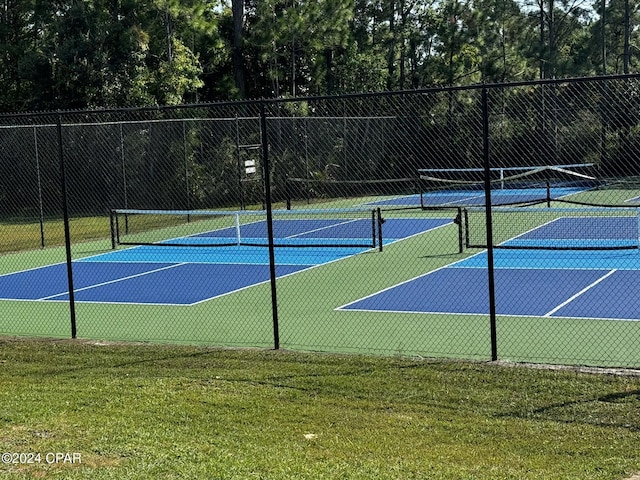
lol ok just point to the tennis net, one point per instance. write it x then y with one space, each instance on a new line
290 228
509 185
584 228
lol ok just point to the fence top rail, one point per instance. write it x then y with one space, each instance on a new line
276 101
193 119
128 122
297 212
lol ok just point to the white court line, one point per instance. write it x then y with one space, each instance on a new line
345 222
588 287
89 287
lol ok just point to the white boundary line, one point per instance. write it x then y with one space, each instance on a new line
116 280
584 290
344 307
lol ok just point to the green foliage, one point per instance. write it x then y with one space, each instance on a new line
70 54
177 77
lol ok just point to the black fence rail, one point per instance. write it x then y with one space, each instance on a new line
485 222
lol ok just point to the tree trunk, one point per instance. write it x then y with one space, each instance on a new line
237 7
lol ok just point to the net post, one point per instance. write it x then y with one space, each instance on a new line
112 227
380 222
548 191
420 184
460 234
638 227
373 227
466 227
237 226
118 227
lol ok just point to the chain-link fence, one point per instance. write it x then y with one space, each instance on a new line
488 222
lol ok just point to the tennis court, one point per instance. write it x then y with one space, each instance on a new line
455 198
192 269
454 187
548 278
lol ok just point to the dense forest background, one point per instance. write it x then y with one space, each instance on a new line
72 54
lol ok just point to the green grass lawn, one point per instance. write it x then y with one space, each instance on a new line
141 412
26 235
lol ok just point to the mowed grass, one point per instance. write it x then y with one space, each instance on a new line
20 234
17 235
142 411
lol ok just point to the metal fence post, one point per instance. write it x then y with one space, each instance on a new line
266 168
487 192
67 234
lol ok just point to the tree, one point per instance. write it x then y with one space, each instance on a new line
237 7
498 27
558 34
25 54
612 36
459 56
87 53
295 42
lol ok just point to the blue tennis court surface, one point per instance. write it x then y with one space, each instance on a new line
477 197
600 284
559 286
169 275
